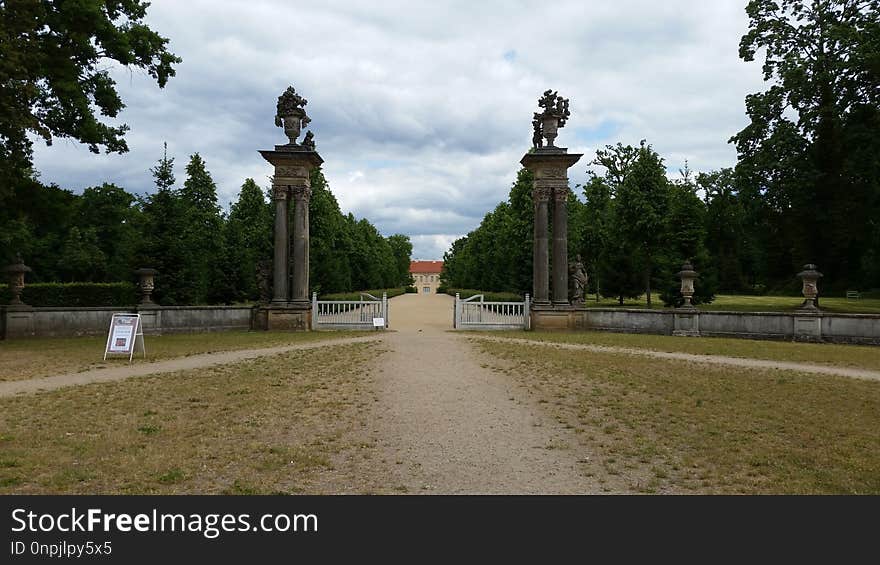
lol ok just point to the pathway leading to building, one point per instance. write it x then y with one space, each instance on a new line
447 424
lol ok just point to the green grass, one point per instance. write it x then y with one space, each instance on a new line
276 424
377 292
30 358
744 303
676 427
855 356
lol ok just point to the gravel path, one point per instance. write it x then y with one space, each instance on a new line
696 358
41 384
448 425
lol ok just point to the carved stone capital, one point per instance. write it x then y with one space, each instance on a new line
542 193
560 194
280 191
301 192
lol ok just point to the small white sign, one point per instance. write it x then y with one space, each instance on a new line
125 329
378 322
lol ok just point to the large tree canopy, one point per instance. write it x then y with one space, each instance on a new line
55 57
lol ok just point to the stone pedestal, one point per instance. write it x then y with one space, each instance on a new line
290 306
556 317
16 321
686 322
550 168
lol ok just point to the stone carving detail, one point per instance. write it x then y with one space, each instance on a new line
291 172
552 174
542 192
303 191
579 280
291 114
546 124
309 140
561 193
279 191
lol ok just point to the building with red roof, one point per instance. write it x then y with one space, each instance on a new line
426 275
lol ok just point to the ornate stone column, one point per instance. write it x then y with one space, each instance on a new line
560 241
301 196
293 162
540 257
549 167
280 259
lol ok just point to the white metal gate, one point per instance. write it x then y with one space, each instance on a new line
350 314
475 313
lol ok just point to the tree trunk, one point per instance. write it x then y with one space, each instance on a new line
648 286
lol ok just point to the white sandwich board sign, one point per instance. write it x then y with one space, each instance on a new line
125 332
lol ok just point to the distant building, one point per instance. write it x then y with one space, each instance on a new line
426 275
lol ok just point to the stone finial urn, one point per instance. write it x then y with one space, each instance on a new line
810 278
15 275
146 283
687 275
291 114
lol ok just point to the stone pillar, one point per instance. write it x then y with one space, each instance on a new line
549 167
560 244
300 291
280 264
540 256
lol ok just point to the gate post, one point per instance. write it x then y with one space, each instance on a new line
526 314
314 310
456 311
385 307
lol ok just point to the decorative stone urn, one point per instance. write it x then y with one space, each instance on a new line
810 277
547 123
15 276
146 283
687 275
291 114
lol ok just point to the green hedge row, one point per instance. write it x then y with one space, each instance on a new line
377 292
75 294
487 296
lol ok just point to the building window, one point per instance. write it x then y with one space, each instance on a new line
426 290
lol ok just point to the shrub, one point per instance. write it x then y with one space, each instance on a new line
75 294
487 296
411 290
377 292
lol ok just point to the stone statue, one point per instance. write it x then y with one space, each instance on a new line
538 136
309 140
579 280
291 114
554 116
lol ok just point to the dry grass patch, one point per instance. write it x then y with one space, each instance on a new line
44 357
683 427
268 425
855 356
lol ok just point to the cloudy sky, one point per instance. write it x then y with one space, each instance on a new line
422 110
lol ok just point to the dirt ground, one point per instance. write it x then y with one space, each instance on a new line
445 423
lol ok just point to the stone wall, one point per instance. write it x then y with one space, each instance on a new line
61 322
799 326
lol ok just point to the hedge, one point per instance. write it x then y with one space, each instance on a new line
75 294
377 292
487 296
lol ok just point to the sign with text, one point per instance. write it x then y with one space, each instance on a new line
125 329
378 322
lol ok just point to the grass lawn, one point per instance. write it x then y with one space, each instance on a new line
30 358
670 426
856 356
742 303
278 424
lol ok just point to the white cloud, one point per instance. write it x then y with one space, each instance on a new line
422 111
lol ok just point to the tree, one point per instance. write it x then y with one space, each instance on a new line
203 275
248 240
54 75
401 247
109 211
640 207
809 151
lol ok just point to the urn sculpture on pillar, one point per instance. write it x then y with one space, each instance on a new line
687 275
810 277
546 124
146 283
15 275
291 114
